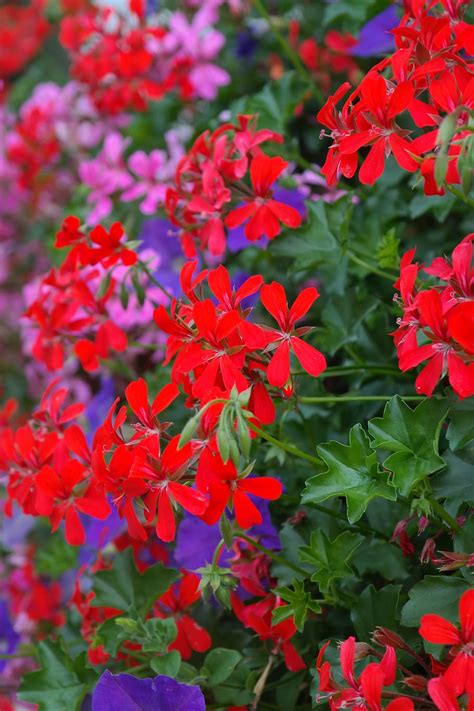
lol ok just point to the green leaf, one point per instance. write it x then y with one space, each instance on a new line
123 587
455 483
316 241
55 556
300 604
60 683
434 594
275 103
387 250
220 663
381 557
167 664
352 472
330 558
375 608
461 425
412 436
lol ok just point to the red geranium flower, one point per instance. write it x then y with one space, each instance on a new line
262 212
273 297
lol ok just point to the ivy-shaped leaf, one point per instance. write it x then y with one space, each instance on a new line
330 558
352 472
60 683
124 588
299 605
412 436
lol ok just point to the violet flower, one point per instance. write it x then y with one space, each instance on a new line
375 37
124 692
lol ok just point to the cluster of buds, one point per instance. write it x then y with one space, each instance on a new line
429 80
210 180
437 325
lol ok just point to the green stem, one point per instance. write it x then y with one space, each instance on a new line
274 556
460 195
143 346
215 557
354 398
444 516
155 281
370 267
341 370
286 48
291 449
17 655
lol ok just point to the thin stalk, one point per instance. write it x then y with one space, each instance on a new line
460 195
444 516
370 267
155 281
274 556
259 687
353 398
291 449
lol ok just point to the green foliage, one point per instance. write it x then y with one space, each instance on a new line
299 604
219 664
124 588
60 682
330 558
412 436
352 472
434 594
55 556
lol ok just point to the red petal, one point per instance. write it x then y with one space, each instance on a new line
285 213
278 370
166 524
264 171
466 615
165 397
273 298
373 165
238 215
266 487
371 684
310 358
443 697
430 375
246 513
461 376
190 499
347 653
437 630
303 303
75 535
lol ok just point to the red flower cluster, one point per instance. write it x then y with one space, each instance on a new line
437 325
325 60
210 177
457 678
258 617
48 464
22 33
70 310
219 347
176 602
430 78
365 692
112 57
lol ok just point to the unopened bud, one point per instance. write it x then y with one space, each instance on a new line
416 682
362 650
388 638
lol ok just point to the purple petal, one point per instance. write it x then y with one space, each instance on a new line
375 37
124 692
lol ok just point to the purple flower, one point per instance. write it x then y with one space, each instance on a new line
160 235
375 37
8 637
196 541
124 692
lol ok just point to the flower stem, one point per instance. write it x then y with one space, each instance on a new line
443 515
370 267
460 195
353 398
150 276
291 449
274 556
